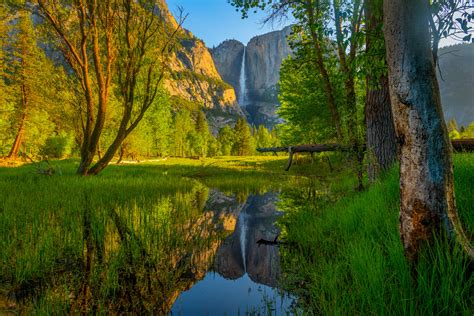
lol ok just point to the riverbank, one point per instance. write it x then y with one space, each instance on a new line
347 258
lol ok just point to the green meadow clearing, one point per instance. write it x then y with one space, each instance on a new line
137 235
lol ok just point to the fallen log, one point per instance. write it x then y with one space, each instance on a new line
459 145
307 148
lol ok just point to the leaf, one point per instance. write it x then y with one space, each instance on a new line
467 38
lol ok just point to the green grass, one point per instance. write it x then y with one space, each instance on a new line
346 257
51 227
147 236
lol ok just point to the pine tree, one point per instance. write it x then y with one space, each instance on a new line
202 137
226 139
27 77
263 137
243 141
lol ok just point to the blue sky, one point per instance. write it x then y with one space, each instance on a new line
216 20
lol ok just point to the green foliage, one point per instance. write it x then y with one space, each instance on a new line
226 138
243 139
28 87
57 146
346 257
462 133
303 102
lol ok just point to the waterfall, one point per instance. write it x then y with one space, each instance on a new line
243 80
243 238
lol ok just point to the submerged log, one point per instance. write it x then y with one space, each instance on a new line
459 145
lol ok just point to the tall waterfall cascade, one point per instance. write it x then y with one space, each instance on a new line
243 238
243 81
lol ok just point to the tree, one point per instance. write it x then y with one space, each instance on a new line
243 138
98 37
334 27
450 18
427 203
226 139
5 103
311 17
203 135
380 131
26 74
263 137
183 125
158 121
303 104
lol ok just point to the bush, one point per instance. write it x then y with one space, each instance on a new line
56 146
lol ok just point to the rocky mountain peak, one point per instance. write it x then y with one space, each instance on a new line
195 78
264 55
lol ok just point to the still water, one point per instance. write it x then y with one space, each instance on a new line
242 276
195 251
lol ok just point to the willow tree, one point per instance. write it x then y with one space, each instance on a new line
427 202
110 44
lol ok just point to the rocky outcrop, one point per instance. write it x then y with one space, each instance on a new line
228 59
194 77
265 55
263 59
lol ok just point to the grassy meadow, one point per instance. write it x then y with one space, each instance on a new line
127 227
134 237
347 256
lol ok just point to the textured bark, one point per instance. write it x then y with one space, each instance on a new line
381 138
427 203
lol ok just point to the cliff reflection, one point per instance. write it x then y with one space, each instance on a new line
240 253
144 257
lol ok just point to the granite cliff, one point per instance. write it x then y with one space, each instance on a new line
263 57
194 78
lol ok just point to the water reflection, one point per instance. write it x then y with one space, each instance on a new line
190 252
245 273
240 253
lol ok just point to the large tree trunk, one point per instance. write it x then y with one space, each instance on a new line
21 128
13 154
381 138
427 204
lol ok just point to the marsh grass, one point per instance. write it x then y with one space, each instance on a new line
346 257
128 240
134 237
